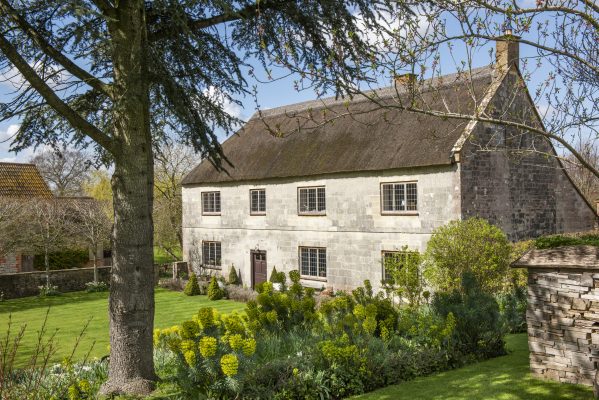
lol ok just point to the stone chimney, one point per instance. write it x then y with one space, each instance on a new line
508 49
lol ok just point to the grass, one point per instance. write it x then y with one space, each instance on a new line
69 312
501 378
162 257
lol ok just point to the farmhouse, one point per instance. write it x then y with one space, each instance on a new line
335 187
20 181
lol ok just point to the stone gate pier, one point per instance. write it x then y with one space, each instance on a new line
563 312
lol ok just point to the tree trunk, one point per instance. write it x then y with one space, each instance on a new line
131 367
47 267
95 260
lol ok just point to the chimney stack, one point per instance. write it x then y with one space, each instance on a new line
508 49
406 80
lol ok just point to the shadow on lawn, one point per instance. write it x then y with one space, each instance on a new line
504 377
29 303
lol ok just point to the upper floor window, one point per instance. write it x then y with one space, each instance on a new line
211 203
211 253
257 201
313 262
311 200
399 197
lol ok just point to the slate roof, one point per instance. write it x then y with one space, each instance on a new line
330 135
22 180
563 257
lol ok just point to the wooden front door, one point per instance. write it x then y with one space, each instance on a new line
258 267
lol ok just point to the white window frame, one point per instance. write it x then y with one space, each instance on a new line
205 203
317 200
320 258
259 192
399 201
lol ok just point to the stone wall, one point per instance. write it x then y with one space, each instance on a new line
526 193
68 280
354 231
563 324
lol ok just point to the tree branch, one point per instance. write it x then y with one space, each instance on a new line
51 51
76 120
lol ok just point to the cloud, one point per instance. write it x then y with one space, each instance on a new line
7 134
233 109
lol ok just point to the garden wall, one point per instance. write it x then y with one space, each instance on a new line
563 312
68 280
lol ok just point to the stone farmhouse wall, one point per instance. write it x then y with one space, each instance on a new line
563 324
353 231
525 193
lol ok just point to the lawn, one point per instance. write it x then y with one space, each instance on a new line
502 378
162 257
69 312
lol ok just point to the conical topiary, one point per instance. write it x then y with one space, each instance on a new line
274 275
214 291
192 288
233 277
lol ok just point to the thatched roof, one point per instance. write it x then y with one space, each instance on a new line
330 136
22 180
564 257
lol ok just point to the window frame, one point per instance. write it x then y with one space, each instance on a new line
211 192
398 212
383 254
312 213
316 277
258 212
220 260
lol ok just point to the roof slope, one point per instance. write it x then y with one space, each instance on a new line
22 180
566 257
329 136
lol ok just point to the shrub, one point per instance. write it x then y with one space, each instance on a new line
471 245
512 306
478 331
239 293
274 276
214 290
192 288
233 277
548 242
48 290
67 259
92 287
404 276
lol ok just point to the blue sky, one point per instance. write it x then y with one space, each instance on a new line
269 95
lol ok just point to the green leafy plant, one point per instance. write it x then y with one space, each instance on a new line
274 276
215 292
233 277
472 245
48 290
404 277
192 288
478 327
548 242
92 287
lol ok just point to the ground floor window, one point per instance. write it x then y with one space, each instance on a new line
313 262
211 253
396 260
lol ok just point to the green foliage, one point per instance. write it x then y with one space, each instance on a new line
512 306
192 288
233 277
478 327
48 290
548 242
214 290
275 311
404 276
471 245
67 259
93 287
277 277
